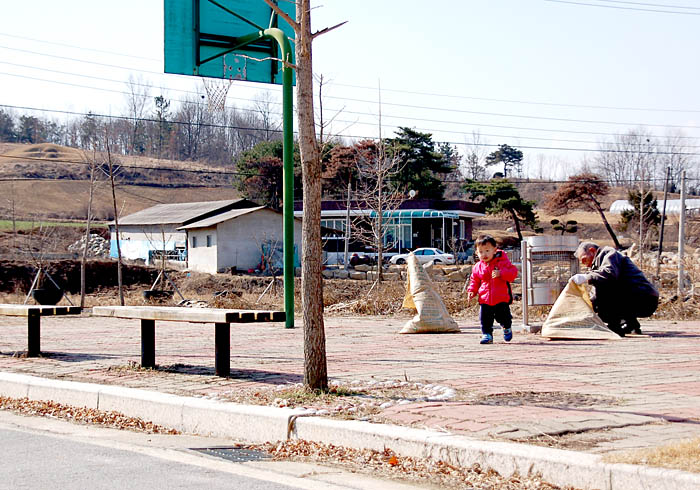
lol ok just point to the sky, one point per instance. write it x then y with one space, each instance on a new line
553 78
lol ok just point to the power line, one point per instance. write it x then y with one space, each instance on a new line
623 8
516 101
452 110
410 92
441 121
77 60
130 167
358 137
272 130
143 119
83 48
651 4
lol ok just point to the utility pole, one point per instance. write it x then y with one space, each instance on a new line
347 227
681 237
641 222
661 232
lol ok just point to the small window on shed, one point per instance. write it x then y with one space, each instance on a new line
194 242
209 241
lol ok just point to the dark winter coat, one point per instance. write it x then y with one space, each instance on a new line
615 273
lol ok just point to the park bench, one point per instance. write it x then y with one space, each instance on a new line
221 319
34 314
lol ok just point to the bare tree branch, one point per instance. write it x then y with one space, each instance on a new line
326 30
275 8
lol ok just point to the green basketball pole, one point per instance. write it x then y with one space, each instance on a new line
288 170
195 35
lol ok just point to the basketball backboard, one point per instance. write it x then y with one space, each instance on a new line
200 36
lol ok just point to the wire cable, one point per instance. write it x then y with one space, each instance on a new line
623 8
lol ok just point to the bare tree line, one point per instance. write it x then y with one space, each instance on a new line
153 127
623 160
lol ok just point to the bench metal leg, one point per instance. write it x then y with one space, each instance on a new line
222 356
148 343
33 336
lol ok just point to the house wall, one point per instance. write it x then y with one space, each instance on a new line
137 240
237 242
241 238
203 256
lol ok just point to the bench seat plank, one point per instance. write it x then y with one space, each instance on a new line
38 310
194 315
33 313
221 318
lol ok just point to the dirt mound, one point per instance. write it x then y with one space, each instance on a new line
45 151
99 274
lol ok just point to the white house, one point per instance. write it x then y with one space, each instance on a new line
238 239
156 228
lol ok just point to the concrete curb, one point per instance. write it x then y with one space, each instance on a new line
260 424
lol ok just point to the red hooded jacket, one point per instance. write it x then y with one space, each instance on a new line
493 290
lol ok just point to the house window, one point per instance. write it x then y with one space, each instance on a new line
335 224
209 241
194 242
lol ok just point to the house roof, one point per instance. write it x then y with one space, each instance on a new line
457 207
182 213
416 213
220 218
673 206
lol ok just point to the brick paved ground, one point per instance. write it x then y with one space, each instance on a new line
595 395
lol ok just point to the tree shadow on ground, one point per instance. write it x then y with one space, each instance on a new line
256 375
59 356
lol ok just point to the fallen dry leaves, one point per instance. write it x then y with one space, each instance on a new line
388 464
81 415
684 455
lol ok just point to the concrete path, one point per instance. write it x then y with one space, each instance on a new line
591 396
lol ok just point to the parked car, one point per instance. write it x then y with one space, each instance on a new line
425 255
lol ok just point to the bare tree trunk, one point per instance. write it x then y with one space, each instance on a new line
83 262
14 218
611 232
116 219
315 366
517 224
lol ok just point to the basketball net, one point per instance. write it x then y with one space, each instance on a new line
217 89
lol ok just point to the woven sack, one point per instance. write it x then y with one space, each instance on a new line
431 313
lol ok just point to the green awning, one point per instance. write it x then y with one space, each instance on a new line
416 213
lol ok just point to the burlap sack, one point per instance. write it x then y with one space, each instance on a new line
572 317
432 315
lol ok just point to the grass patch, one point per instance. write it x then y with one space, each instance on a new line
305 396
6 225
684 455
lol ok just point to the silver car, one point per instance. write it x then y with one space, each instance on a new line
424 255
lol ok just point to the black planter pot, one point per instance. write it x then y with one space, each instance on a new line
157 294
47 296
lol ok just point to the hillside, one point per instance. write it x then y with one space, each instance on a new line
52 181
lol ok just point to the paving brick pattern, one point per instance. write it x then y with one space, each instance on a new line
650 386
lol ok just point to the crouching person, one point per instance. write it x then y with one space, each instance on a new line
621 292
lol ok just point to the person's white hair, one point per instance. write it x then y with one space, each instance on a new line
584 247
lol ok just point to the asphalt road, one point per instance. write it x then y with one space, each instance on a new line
30 460
51 454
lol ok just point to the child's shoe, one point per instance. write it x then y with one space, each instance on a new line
507 334
486 339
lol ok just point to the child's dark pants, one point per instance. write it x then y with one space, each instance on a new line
499 312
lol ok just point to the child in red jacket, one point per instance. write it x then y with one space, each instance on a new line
490 281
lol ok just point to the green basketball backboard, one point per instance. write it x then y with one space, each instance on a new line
201 37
